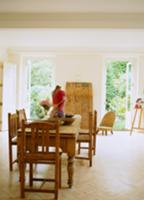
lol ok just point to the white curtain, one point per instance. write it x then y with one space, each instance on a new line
9 92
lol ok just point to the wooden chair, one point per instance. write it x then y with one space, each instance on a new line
35 148
94 131
86 139
12 138
86 131
107 123
21 116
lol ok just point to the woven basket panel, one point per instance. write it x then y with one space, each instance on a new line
79 100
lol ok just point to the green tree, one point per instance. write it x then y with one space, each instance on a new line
116 90
41 85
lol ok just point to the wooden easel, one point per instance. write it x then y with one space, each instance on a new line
139 127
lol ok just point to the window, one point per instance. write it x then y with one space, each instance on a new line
39 83
120 89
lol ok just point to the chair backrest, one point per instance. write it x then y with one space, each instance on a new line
94 121
35 145
21 116
90 123
12 125
108 119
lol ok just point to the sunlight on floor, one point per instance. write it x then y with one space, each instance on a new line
117 172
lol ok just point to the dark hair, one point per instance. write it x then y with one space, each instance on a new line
57 87
139 99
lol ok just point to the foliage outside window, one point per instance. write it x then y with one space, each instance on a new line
40 85
116 91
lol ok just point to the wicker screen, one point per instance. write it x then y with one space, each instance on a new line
79 100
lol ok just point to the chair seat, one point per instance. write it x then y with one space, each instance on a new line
83 131
37 157
83 138
105 128
50 155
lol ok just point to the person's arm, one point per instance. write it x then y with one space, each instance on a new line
63 100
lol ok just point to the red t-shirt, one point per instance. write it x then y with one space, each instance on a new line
58 97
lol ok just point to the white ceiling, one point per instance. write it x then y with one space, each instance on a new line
100 24
72 13
104 6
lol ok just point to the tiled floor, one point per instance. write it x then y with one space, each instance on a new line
117 172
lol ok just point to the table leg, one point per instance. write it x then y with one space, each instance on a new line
70 169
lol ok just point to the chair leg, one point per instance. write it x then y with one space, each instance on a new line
90 155
60 173
94 144
22 179
31 175
56 195
57 181
10 158
79 147
11 161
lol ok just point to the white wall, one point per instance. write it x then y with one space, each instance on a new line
83 68
103 39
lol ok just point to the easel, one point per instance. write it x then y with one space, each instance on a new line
139 127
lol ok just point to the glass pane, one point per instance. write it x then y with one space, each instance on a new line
116 87
40 83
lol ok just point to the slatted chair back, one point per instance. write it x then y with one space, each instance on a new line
108 119
21 116
107 123
35 147
12 138
86 139
94 131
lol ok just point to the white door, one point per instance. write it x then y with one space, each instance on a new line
131 91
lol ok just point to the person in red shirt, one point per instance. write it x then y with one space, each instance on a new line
58 98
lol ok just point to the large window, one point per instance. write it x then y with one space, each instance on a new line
39 83
119 91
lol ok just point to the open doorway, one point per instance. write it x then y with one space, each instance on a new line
120 90
38 83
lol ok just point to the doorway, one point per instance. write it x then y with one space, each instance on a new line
120 90
38 84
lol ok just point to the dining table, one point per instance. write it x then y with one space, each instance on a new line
68 136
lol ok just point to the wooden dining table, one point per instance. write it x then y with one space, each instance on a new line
68 136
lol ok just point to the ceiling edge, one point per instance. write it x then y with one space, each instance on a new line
71 20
